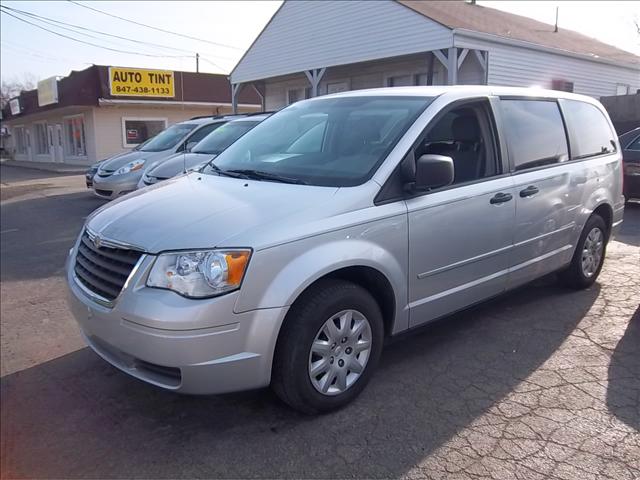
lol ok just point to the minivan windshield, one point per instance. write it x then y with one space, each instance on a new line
329 142
168 138
223 136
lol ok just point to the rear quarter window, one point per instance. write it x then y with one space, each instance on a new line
535 133
589 131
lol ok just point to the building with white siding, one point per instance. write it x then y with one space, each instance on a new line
311 48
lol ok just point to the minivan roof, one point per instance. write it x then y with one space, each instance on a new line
462 91
210 119
252 118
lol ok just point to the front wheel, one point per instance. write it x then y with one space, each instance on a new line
589 255
328 348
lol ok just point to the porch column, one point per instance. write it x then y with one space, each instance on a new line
443 58
430 64
452 66
260 90
483 60
235 93
314 76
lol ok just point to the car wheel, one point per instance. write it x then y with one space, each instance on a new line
589 255
328 348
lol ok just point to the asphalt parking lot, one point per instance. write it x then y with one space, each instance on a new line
540 383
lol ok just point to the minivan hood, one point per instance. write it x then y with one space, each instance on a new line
176 164
198 211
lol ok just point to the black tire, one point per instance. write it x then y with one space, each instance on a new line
290 375
573 276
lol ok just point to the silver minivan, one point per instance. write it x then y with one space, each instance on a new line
339 222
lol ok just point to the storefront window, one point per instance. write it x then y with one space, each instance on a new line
75 144
42 145
20 140
138 130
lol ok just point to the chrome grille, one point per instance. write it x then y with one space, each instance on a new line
103 269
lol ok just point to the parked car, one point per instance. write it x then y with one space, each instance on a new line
206 150
93 169
90 173
119 176
339 222
630 144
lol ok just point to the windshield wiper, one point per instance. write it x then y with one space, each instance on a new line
260 175
219 171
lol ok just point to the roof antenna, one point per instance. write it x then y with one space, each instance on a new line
184 150
555 30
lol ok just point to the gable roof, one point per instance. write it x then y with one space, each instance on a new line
467 16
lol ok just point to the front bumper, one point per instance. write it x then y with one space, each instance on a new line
147 181
184 345
115 186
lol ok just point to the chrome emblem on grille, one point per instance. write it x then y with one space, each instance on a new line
97 241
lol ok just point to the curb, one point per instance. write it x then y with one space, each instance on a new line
41 166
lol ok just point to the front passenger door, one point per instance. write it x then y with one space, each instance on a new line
460 235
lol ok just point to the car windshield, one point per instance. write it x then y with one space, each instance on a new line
223 136
330 142
168 138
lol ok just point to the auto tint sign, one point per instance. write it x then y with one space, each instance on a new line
140 82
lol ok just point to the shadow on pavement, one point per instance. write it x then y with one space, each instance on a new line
77 417
38 232
623 393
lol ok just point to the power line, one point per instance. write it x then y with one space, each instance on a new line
49 20
152 27
89 43
34 53
212 63
8 49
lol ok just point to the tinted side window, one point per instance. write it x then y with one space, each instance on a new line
535 133
203 132
635 145
589 130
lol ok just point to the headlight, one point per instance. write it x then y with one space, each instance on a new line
200 274
130 167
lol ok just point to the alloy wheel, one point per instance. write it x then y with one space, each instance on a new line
339 352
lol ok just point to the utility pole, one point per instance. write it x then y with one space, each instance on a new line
555 30
197 62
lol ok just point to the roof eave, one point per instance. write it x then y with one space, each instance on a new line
536 46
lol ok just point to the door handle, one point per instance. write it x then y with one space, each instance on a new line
529 191
500 198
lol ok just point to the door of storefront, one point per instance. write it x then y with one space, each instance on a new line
27 136
54 136
59 149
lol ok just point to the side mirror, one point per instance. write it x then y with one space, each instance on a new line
190 145
433 171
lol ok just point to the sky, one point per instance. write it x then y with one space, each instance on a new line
228 27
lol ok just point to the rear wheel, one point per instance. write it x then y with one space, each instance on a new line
589 255
328 348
